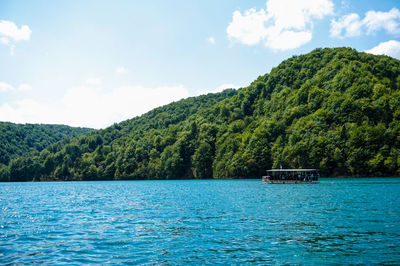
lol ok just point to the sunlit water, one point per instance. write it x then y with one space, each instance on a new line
338 221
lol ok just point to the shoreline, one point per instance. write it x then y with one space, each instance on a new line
187 179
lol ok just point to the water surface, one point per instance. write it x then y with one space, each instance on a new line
201 221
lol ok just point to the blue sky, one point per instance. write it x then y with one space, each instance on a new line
93 63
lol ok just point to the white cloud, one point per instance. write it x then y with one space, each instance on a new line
298 14
211 40
283 25
390 48
93 107
10 30
26 111
10 34
93 81
96 108
121 70
352 25
7 87
248 28
389 21
349 24
288 39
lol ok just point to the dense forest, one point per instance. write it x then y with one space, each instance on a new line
18 139
333 109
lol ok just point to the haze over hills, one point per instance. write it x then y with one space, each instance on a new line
332 109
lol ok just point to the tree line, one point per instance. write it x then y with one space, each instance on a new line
18 139
332 109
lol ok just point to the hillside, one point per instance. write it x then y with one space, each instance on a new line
333 109
17 139
63 160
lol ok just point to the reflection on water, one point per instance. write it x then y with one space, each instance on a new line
201 221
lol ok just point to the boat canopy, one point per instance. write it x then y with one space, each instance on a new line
292 170
291 176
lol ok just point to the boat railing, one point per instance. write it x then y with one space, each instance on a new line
291 175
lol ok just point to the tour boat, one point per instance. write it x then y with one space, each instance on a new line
291 176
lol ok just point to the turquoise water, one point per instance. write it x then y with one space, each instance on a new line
338 221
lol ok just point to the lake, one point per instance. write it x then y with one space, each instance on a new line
338 221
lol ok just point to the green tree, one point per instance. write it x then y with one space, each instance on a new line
202 161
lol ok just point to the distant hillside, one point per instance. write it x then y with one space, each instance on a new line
17 139
333 109
56 161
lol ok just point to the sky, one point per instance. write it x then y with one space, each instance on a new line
94 63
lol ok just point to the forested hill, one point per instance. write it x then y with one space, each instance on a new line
61 160
333 109
17 139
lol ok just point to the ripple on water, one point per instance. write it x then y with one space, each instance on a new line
353 221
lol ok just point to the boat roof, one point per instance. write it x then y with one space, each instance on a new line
292 170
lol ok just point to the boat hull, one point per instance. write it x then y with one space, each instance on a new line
289 182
